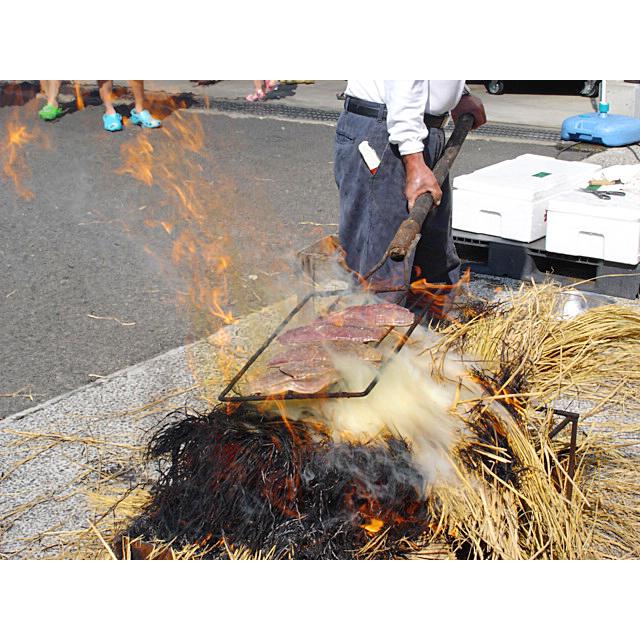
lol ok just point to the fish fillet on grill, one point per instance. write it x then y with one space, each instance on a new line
277 382
306 365
324 352
371 315
320 332
306 369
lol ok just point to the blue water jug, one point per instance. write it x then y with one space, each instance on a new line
611 130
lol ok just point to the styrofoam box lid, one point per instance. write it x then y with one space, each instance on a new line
625 208
528 177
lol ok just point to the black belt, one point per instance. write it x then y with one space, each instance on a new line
377 110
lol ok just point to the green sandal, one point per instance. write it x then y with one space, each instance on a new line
49 112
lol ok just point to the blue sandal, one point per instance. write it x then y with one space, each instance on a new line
112 122
144 119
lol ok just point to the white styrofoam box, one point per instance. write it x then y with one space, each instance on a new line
522 177
497 216
579 224
509 199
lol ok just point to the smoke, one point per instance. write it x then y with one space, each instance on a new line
421 397
414 399
410 401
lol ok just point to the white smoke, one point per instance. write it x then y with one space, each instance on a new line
410 401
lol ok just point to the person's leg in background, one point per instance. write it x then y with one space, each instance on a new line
140 115
105 88
137 87
258 91
51 109
51 89
111 120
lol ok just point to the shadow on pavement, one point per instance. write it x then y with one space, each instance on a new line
283 91
162 105
17 94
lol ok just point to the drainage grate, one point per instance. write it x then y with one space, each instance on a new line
273 109
323 115
525 133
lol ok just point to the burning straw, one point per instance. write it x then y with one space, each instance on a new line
279 488
245 484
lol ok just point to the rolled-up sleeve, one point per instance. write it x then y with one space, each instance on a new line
406 101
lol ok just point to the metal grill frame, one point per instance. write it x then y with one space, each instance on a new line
291 395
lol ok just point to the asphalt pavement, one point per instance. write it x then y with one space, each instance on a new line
89 286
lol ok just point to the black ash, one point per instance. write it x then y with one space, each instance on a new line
262 483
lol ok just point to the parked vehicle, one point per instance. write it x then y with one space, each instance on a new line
590 88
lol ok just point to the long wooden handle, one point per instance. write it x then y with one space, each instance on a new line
410 228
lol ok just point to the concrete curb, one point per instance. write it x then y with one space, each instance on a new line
171 355
616 155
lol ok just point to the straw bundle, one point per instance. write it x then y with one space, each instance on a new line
593 355
534 358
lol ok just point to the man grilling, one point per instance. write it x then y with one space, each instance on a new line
402 121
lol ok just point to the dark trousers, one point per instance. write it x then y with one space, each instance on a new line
373 206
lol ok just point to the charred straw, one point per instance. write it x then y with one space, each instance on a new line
260 482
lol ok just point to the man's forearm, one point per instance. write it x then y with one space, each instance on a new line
413 161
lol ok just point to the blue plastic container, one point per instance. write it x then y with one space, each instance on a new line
610 130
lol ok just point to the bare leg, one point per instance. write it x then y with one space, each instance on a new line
259 91
106 88
51 89
137 86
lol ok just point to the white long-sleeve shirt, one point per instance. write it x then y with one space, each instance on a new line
407 101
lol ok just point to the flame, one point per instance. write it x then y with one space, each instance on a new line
171 160
79 99
137 160
439 296
280 404
373 526
374 516
15 166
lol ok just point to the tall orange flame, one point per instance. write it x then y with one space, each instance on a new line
79 98
15 166
172 159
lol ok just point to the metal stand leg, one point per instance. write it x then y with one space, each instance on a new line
569 417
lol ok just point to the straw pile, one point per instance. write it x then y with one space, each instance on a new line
592 355
533 358
510 501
